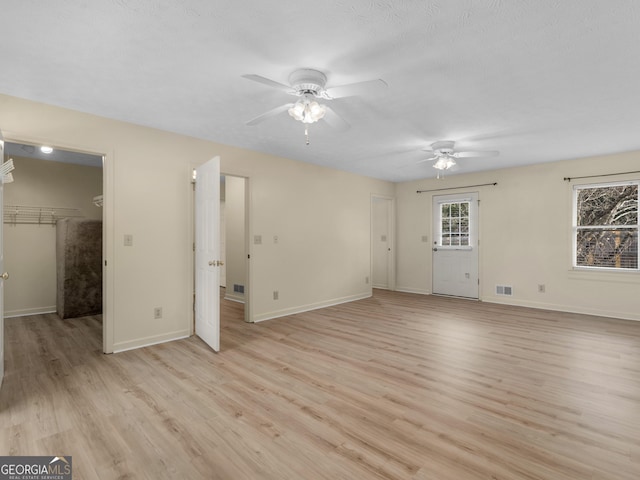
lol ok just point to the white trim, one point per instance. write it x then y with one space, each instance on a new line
418 291
563 308
29 311
148 341
313 306
234 298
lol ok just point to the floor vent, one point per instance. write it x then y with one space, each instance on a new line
238 288
504 290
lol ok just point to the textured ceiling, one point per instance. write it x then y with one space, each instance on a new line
538 80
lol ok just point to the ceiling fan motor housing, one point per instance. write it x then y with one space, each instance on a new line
308 81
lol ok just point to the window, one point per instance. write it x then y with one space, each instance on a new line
454 224
605 223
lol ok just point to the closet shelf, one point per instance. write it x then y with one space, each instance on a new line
27 214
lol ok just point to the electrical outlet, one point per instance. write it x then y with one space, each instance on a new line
157 312
275 294
541 288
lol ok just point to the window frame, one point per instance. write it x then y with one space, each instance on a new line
439 232
575 228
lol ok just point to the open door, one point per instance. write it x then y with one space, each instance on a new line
4 176
455 245
207 263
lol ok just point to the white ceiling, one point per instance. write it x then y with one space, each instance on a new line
538 80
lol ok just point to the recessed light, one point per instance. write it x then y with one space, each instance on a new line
45 149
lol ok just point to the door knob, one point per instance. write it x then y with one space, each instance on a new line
5 275
219 263
435 249
212 263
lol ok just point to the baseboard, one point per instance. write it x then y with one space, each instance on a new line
412 290
234 298
306 308
148 341
562 308
29 311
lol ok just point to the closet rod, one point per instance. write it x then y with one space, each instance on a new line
453 188
568 179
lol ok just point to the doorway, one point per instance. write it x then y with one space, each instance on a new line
227 225
50 184
455 245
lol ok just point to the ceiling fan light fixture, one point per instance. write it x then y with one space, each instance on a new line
444 162
307 110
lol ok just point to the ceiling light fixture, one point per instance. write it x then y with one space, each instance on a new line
45 149
307 110
444 162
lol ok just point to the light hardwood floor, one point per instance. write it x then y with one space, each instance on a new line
396 386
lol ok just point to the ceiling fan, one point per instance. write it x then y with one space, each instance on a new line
309 85
445 155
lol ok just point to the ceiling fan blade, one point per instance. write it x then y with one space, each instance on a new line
370 87
335 120
426 160
271 113
489 153
270 83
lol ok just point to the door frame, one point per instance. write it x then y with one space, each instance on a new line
107 227
248 305
391 228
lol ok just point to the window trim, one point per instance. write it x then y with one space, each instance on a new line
575 228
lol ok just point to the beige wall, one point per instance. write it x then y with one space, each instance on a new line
525 234
29 249
321 216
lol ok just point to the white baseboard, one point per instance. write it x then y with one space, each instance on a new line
562 308
306 308
148 341
234 298
412 290
29 311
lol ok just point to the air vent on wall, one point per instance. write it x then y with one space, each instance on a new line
238 288
504 290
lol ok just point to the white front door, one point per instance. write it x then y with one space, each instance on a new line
455 245
207 262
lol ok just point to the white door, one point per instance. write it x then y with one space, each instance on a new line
455 245
382 242
3 275
207 263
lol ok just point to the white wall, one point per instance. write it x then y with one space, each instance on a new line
30 250
525 234
321 216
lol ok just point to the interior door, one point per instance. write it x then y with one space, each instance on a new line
455 245
6 168
382 242
207 261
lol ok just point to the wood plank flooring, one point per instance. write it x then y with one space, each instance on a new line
398 386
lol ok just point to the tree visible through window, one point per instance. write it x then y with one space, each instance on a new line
454 218
606 226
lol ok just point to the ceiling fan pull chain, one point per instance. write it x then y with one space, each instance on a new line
306 134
